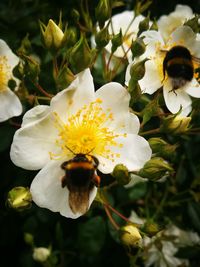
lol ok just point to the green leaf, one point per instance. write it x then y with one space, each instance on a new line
193 210
137 191
91 235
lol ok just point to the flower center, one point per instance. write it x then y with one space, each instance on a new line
5 73
86 132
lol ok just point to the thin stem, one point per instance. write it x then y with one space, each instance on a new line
117 212
39 87
116 226
153 131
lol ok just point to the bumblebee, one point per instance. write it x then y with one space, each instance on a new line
178 64
80 178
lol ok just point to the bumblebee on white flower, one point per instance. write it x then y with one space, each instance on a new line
10 105
172 66
96 126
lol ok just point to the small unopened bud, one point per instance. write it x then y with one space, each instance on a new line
134 90
175 124
116 41
143 25
64 78
130 236
151 228
41 254
103 12
29 239
121 174
102 38
19 198
155 169
161 147
70 37
52 35
137 70
81 55
75 15
138 47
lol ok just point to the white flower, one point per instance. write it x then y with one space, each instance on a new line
83 121
10 105
160 249
154 77
41 254
129 27
168 23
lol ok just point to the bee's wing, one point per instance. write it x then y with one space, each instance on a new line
196 59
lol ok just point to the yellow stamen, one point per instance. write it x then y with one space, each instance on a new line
86 132
5 73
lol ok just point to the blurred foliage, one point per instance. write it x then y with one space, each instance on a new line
91 239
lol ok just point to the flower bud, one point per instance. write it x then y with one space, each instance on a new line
81 55
70 37
64 78
102 38
137 70
116 41
134 90
155 169
121 174
103 12
161 147
151 228
138 47
175 124
19 198
130 236
143 25
52 35
29 239
41 254
75 15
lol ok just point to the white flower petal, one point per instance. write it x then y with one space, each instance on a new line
175 100
5 50
35 114
32 144
151 81
193 88
134 153
10 105
79 93
47 191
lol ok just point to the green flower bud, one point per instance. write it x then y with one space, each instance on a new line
19 198
137 70
151 228
29 239
155 169
161 147
81 55
52 35
138 47
175 124
143 25
116 41
41 254
75 15
70 37
64 78
102 38
31 67
130 236
154 26
103 12
121 174
25 47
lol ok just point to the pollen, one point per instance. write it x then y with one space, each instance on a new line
87 132
5 73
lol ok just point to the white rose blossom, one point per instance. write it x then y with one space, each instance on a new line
168 23
78 120
10 104
154 78
128 24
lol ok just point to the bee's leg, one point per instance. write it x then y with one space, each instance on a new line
96 180
63 181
